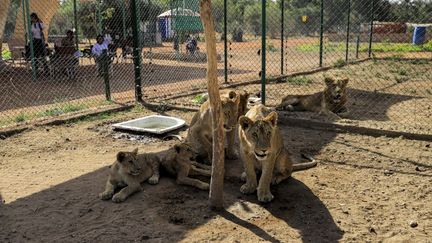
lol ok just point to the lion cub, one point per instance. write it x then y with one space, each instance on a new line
330 102
200 134
128 171
262 149
131 169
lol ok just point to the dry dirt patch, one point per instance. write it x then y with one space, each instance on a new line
364 189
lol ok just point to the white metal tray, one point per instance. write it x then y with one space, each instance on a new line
153 124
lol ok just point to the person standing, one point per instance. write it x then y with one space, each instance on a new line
40 51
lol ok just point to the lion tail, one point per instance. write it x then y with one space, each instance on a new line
307 165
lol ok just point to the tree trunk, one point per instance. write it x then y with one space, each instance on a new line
217 175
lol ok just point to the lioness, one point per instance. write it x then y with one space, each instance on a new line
330 102
131 169
200 131
262 149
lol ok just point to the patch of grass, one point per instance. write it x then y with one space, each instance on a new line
397 47
402 72
419 62
21 117
199 99
339 63
376 47
401 79
66 108
299 80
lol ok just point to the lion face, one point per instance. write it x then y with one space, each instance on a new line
230 110
336 89
129 163
259 134
186 151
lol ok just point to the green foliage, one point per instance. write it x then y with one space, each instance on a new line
66 108
199 99
299 80
339 63
21 117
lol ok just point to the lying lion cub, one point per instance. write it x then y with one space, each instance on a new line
131 169
262 149
330 102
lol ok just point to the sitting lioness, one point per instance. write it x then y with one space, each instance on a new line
330 102
200 132
262 149
131 169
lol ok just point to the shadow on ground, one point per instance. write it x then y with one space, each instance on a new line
71 211
18 90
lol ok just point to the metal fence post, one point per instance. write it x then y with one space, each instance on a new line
357 46
30 35
76 23
348 31
225 42
282 35
371 28
105 68
23 4
136 51
263 51
321 48
123 19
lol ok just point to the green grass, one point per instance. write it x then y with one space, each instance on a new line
339 63
199 99
21 117
299 80
66 108
376 47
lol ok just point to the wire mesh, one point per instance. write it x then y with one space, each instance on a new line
166 58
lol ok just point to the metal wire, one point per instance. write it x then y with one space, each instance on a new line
157 52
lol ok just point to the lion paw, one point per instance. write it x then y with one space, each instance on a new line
153 180
105 195
265 196
118 198
248 188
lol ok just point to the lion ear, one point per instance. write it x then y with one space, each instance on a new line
232 95
329 81
245 122
272 118
135 151
121 156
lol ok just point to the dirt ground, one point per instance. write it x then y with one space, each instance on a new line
391 95
363 189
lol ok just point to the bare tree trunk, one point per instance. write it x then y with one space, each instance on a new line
217 176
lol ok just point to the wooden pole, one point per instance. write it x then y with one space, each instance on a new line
217 175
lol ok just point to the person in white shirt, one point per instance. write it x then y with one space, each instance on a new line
39 48
97 51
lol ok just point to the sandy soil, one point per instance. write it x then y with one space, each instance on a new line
364 189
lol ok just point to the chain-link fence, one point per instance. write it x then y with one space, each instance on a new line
73 55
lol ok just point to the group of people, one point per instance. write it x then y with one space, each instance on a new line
40 49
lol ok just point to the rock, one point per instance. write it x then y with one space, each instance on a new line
413 224
427 146
67 140
2 137
388 172
372 229
420 169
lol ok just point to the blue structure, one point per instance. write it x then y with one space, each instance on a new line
419 35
